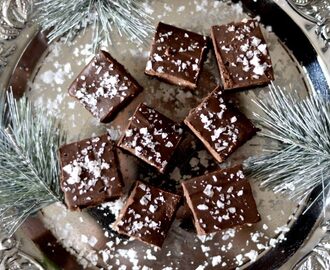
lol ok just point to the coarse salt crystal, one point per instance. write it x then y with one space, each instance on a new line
202 207
252 255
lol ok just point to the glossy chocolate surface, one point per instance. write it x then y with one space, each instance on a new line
152 137
177 55
242 55
219 125
148 214
90 173
104 87
220 200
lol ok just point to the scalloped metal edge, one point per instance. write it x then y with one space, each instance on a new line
13 18
318 12
11 257
14 15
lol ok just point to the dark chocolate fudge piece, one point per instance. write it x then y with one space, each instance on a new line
104 87
242 54
220 200
152 137
177 55
90 172
220 126
148 214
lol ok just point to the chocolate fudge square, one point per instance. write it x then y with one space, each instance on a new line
90 172
148 214
220 126
220 200
177 55
104 87
152 137
242 55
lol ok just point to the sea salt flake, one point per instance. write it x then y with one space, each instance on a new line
160 69
150 256
149 65
255 41
180 9
217 133
152 208
205 248
202 207
144 131
261 246
169 144
231 28
263 48
240 193
208 191
216 260
74 171
233 119
232 210
252 255
239 259
194 67
158 58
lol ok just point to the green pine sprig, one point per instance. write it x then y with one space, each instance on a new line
68 18
300 159
29 166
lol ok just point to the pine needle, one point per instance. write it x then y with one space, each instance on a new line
68 18
301 159
29 167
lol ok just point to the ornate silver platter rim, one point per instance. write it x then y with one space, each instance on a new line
314 20
15 35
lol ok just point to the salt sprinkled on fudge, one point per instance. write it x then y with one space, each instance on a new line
148 214
104 87
220 126
90 172
151 137
242 54
177 55
220 200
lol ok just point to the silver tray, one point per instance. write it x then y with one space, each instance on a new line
43 72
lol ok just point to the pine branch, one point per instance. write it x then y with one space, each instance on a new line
68 18
29 167
301 159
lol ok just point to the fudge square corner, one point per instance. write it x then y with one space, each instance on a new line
151 137
148 214
177 55
90 172
220 126
104 87
220 200
242 55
